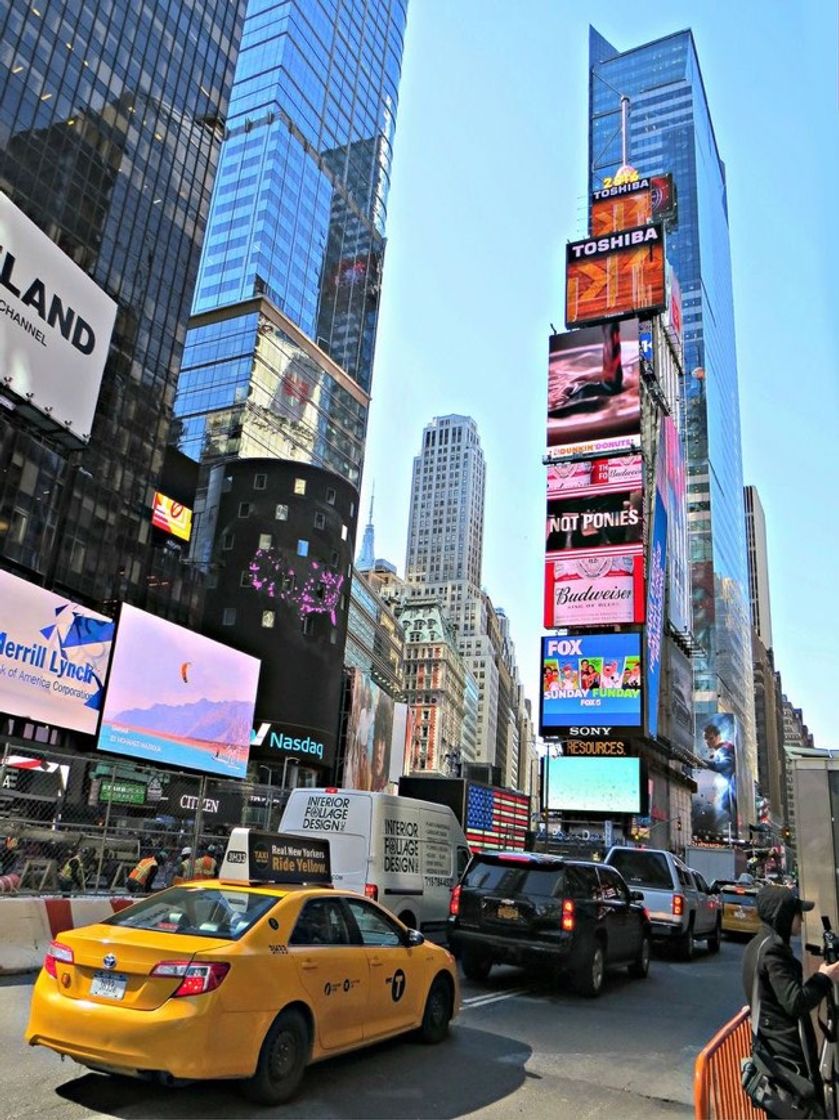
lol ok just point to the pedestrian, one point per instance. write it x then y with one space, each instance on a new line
182 874
206 866
142 877
784 1047
71 877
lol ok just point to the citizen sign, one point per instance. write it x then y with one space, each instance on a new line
189 801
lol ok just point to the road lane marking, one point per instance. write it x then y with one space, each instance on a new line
493 997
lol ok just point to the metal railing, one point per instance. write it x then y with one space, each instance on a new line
80 824
717 1090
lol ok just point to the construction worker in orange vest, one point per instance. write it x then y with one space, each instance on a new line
182 874
141 879
206 866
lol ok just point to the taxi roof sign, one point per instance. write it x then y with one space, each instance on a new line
274 857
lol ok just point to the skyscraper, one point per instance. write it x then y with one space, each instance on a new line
446 519
758 566
670 130
279 355
111 118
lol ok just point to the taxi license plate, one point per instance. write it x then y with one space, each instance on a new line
509 912
109 985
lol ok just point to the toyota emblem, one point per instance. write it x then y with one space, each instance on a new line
110 961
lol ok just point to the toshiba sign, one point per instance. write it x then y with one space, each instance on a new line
55 326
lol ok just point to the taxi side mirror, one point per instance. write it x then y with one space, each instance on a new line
413 937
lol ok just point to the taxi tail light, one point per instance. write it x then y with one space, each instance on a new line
454 902
678 905
371 891
569 916
196 979
57 952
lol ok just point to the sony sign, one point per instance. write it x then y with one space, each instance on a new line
55 326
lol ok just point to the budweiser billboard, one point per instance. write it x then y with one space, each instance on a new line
616 275
593 588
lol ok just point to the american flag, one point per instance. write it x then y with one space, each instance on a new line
496 818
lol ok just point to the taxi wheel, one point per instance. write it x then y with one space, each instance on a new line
438 1012
282 1060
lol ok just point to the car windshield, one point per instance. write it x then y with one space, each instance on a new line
643 869
196 911
546 880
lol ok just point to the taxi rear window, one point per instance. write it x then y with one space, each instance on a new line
220 914
738 898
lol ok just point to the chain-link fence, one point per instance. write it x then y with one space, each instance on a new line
75 824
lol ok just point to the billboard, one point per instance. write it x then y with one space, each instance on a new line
614 276
55 326
594 402
590 679
715 801
598 785
623 211
676 716
54 656
678 554
598 475
593 588
592 520
654 633
367 763
171 516
177 697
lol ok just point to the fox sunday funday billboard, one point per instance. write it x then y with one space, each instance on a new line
590 679
177 697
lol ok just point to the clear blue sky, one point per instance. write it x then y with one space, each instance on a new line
488 183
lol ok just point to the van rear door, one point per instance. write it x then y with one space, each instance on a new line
342 817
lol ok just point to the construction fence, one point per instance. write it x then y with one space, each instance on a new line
78 825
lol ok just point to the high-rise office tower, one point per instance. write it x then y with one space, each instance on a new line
758 565
275 380
670 130
446 519
111 118
279 356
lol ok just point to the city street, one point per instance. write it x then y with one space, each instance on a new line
515 1050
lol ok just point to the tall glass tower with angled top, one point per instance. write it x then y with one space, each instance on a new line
671 130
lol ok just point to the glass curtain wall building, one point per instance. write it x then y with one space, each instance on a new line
279 356
111 119
670 130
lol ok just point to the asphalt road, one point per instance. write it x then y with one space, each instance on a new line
515 1050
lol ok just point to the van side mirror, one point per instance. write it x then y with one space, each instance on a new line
413 938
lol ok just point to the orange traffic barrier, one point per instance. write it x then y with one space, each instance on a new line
717 1089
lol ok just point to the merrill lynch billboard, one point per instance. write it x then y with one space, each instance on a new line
55 325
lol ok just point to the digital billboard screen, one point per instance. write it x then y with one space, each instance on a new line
177 697
54 656
594 588
620 212
55 326
171 516
622 472
614 276
593 520
597 785
590 679
369 736
594 401
714 809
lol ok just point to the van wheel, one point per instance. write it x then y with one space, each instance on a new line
438 1012
588 979
282 1061
475 965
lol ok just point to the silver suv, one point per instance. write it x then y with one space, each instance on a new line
682 908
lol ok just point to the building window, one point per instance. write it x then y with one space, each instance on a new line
245 579
265 540
227 541
343 532
333 637
268 620
300 486
320 521
228 617
260 481
306 626
212 581
330 495
302 548
281 513
244 509
335 559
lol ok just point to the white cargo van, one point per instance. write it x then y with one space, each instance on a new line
405 853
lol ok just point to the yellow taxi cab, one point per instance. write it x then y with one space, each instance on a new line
252 976
739 907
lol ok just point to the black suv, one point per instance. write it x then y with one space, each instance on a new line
525 908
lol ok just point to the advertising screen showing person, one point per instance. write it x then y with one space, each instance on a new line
590 679
594 403
54 656
715 810
621 273
369 736
177 697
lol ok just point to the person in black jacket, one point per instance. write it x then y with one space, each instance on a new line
786 1000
